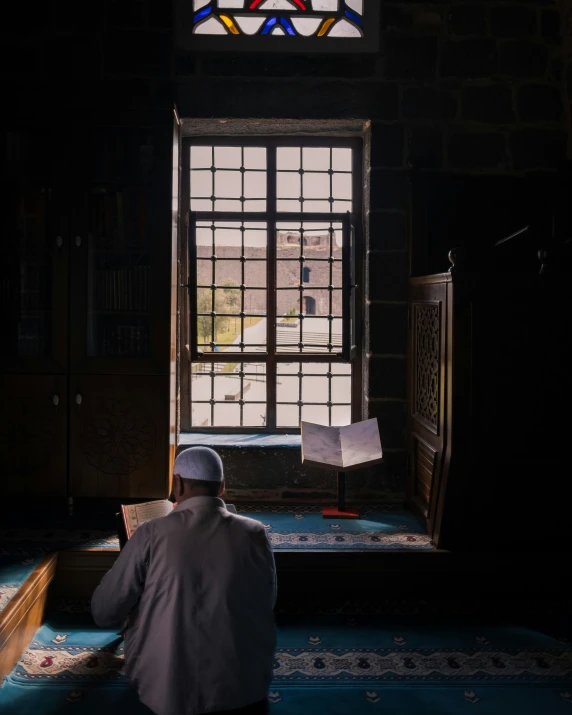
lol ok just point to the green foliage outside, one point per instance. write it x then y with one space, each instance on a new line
291 316
227 327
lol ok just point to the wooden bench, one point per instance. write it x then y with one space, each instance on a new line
24 613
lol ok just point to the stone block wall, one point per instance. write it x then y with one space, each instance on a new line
464 87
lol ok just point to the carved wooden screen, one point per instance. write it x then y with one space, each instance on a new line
427 377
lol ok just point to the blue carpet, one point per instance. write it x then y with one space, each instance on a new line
309 530
290 527
326 664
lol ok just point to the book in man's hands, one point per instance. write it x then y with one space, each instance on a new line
136 514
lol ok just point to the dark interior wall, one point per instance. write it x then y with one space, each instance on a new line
458 88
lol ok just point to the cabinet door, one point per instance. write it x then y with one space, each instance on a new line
33 280
121 259
119 436
33 435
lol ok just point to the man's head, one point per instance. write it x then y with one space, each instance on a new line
197 472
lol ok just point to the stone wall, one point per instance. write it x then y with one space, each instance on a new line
461 87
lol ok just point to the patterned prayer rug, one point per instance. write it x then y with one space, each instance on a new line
375 530
337 665
290 527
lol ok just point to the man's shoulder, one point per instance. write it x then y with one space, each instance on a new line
245 522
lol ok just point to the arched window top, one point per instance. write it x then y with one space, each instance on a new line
279 25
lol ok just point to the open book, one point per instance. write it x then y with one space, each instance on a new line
344 448
136 514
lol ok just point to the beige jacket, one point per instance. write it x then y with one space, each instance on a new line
199 587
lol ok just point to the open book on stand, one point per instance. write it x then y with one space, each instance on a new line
133 515
344 448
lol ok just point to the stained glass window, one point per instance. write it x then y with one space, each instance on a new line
310 21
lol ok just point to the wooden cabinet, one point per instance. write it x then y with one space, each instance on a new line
33 435
88 291
33 279
120 255
119 436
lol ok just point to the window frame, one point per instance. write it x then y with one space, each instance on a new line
368 44
355 268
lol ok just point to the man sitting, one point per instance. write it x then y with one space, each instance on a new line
198 588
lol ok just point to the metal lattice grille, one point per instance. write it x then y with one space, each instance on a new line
269 251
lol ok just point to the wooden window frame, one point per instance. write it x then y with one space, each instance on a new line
356 268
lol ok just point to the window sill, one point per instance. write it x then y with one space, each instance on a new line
243 441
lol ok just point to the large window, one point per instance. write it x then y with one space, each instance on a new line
273 247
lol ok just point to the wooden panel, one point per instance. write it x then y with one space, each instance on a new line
79 572
119 436
427 376
33 435
424 463
24 614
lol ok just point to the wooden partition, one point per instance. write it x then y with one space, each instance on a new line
429 315
489 381
439 400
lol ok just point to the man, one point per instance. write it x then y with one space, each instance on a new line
198 587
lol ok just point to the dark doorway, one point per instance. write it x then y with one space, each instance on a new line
309 305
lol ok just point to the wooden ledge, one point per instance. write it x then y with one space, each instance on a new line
80 570
24 613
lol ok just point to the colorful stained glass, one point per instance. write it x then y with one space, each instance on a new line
288 18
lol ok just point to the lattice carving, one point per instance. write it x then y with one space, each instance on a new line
120 438
427 362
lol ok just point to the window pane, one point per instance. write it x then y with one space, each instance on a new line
255 185
315 388
254 157
341 159
255 274
240 297
316 158
320 179
228 394
288 388
288 185
316 186
316 413
309 281
341 389
323 394
201 157
228 178
228 272
341 415
201 184
288 158
228 157
228 185
287 416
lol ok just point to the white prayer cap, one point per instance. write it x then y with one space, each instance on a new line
200 463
